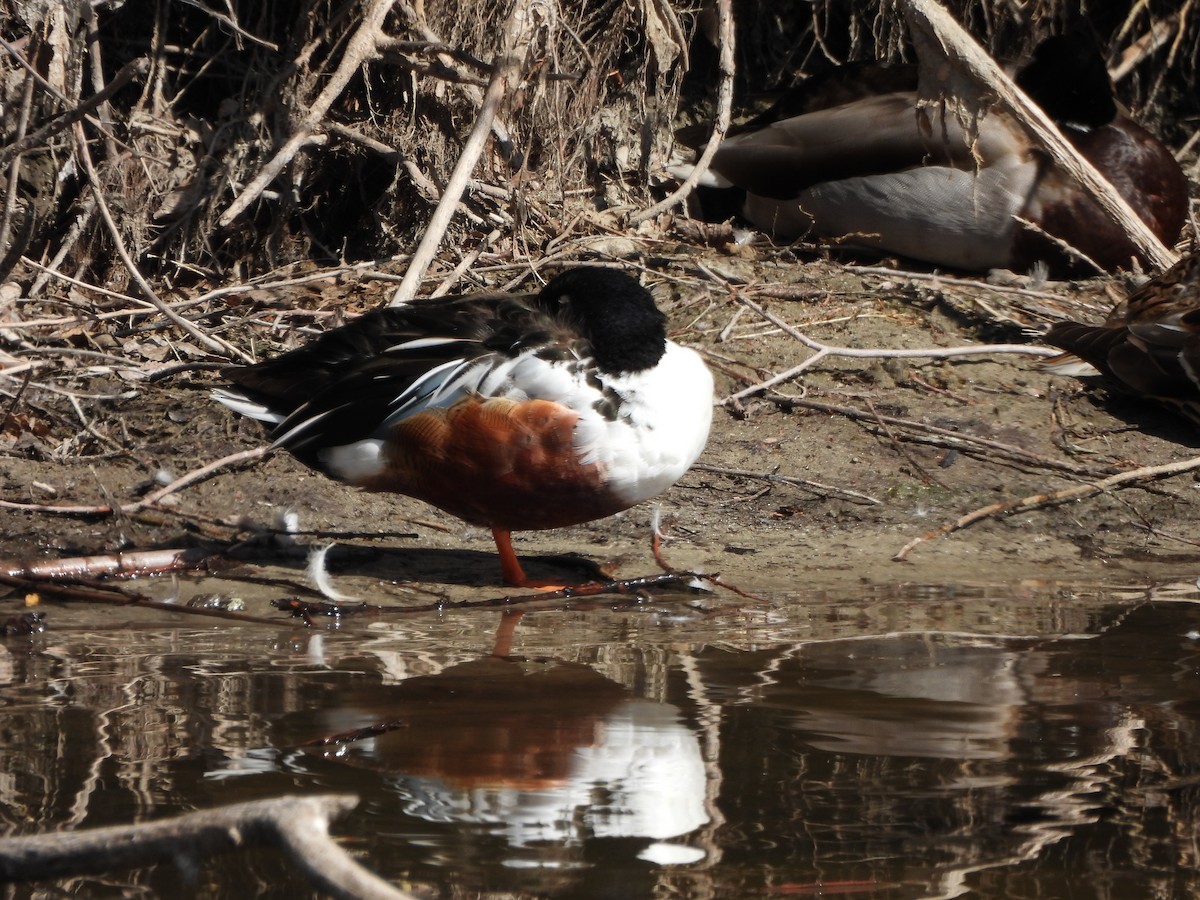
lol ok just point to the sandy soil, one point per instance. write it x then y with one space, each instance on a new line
764 531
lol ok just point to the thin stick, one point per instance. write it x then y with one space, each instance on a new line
309 609
14 174
507 69
824 350
195 475
112 596
1053 498
127 508
361 47
724 115
65 120
467 261
211 343
945 437
815 486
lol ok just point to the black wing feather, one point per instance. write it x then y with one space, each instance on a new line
350 377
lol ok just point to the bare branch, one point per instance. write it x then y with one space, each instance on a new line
1053 498
824 350
298 825
519 35
361 47
183 481
126 74
213 344
933 27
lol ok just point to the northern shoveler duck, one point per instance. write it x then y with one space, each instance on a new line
853 160
1150 345
514 412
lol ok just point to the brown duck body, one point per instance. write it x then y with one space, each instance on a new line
867 167
1150 345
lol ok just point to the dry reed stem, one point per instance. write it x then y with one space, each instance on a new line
361 47
517 45
724 115
214 344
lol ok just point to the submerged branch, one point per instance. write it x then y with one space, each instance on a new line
297 825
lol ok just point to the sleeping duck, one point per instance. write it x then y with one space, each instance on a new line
511 411
856 163
1150 345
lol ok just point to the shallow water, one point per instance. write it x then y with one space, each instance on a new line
1007 741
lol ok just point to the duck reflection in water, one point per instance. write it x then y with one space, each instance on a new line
538 750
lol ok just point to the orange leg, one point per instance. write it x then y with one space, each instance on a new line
514 575
510 566
505 633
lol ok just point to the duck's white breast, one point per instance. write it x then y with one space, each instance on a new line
659 428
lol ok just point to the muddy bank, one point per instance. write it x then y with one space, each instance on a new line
819 484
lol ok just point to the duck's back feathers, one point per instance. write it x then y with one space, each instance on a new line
784 158
1150 346
342 386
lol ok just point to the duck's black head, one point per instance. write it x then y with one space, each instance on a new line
1068 80
628 333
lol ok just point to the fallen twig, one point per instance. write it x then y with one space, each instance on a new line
1053 498
815 486
945 437
116 596
309 609
297 825
917 468
823 350
14 173
104 509
214 344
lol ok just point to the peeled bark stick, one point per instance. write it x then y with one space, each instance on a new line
444 212
937 36
299 825
1052 498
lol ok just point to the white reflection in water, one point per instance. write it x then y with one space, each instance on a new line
642 777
